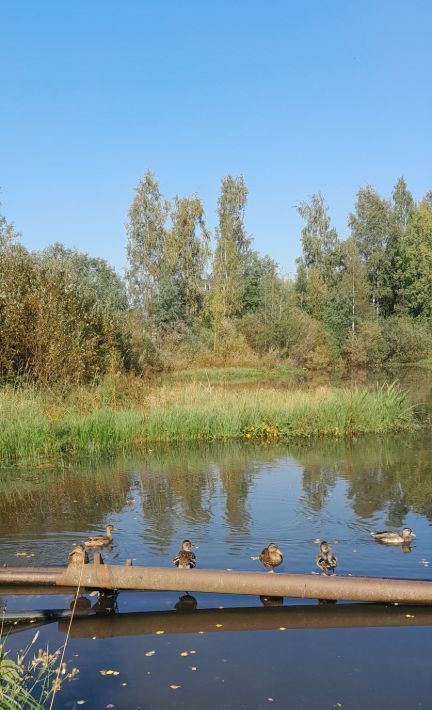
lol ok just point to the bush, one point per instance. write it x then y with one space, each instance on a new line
308 344
405 340
51 329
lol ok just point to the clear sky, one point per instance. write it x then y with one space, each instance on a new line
297 96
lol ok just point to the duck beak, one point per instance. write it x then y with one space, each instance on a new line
279 551
115 529
413 535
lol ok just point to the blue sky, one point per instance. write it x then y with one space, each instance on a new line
296 96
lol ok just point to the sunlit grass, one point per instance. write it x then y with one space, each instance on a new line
30 680
43 425
233 375
426 363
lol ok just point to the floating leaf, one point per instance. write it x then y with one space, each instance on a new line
184 653
175 687
218 626
150 653
159 632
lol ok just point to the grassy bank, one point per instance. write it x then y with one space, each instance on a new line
234 375
44 426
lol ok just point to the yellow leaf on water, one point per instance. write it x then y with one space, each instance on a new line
174 687
218 626
150 653
160 632
184 653
282 628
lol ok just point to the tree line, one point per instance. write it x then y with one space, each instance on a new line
188 298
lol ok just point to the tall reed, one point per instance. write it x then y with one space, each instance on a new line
38 425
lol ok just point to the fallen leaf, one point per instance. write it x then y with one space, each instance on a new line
159 632
124 684
192 651
80 702
193 668
184 653
218 626
175 687
150 653
282 628
409 616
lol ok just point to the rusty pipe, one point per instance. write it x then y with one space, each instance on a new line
301 586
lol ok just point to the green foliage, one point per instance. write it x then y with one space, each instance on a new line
232 246
307 343
53 328
416 263
41 426
28 683
146 233
362 302
321 247
405 340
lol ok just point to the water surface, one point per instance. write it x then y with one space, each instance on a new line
231 500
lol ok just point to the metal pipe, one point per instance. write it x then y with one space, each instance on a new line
301 586
30 575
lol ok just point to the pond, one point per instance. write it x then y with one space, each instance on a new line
231 500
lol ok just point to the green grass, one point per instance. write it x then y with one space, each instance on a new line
39 427
29 681
234 375
426 363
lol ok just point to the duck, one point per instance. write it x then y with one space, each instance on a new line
326 559
271 556
102 540
78 556
390 537
185 558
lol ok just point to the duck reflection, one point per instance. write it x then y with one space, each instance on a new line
186 603
271 601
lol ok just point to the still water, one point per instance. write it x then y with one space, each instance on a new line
231 500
